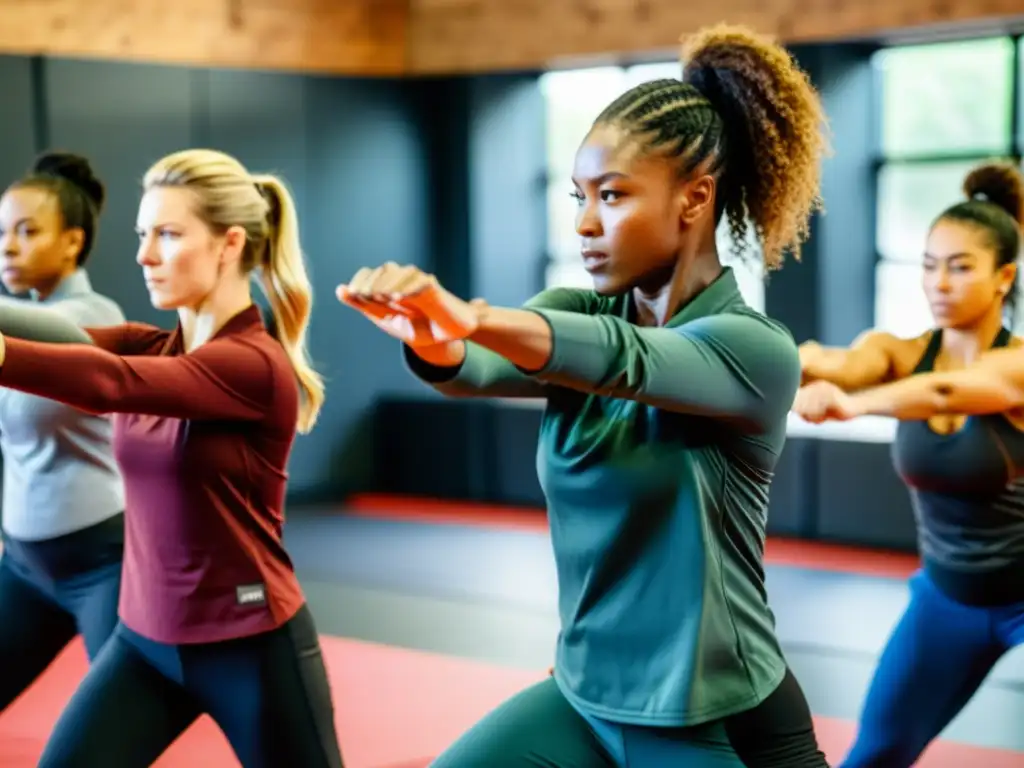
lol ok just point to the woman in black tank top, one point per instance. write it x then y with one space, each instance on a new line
958 393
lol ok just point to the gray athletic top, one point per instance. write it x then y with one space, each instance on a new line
60 475
968 494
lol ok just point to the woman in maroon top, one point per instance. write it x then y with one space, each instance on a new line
213 620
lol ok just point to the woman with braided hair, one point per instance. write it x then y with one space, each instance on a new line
667 399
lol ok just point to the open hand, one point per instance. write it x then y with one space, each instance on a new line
823 401
410 305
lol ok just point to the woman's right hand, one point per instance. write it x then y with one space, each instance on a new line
405 323
407 303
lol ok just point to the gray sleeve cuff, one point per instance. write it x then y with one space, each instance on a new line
21 319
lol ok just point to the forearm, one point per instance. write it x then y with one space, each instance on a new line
59 381
823 364
522 337
449 355
222 380
462 369
838 366
498 359
926 395
20 319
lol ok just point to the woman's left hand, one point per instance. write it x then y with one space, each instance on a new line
823 401
410 305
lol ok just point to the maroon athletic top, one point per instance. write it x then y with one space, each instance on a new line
203 441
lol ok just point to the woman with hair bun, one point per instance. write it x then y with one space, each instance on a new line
63 499
958 393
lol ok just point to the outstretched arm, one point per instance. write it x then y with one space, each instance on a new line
471 369
223 379
994 384
740 367
74 321
869 361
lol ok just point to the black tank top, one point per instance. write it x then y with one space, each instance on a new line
967 490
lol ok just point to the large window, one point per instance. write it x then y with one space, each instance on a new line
944 108
574 98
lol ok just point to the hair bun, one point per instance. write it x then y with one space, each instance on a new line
74 169
1001 184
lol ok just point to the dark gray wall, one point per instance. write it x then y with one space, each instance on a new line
507 203
449 174
353 152
122 117
17 129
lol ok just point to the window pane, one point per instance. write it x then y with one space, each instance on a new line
573 99
642 73
947 97
900 305
563 242
1020 102
910 196
749 269
568 274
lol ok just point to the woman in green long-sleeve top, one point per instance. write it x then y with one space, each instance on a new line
666 413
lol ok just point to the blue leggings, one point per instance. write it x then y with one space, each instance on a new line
937 657
269 694
39 616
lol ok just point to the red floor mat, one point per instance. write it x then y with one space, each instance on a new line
396 708
799 554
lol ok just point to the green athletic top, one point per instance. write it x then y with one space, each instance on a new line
656 454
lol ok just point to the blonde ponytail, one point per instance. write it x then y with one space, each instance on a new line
284 280
227 196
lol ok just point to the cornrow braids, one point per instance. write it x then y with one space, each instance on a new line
746 114
668 116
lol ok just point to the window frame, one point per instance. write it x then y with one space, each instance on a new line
883 160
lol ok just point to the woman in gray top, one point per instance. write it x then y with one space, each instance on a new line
63 500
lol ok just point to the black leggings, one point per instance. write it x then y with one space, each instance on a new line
539 728
42 609
268 693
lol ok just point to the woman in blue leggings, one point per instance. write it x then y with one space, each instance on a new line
958 391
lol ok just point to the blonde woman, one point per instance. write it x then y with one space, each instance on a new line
212 618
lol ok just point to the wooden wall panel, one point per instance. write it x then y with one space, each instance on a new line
482 35
364 37
395 37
